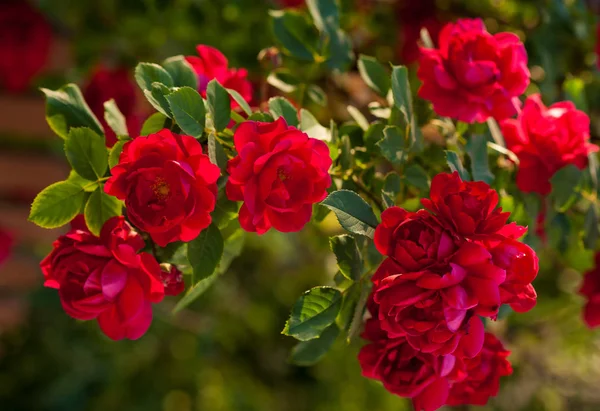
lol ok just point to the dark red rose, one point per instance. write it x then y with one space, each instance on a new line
403 370
279 173
212 64
105 278
168 185
6 245
477 379
474 75
410 35
25 40
291 3
590 289
113 83
172 279
467 208
547 139
416 241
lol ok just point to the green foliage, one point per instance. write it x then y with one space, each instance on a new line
153 124
478 152
240 100
295 33
86 152
57 204
216 153
188 110
456 165
348 256
66 108
313 313
353 213
374 74
281 107
114 118
115 153
403 102
565 186
99 208
205 252
219 104
181 72
307 353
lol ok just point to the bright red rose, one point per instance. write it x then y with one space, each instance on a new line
168 185
105 278
279 173
172 279
467 208
403 370
6 245
590 289
212 64
25 40
416 241
477 379
547 139
474 75
106 83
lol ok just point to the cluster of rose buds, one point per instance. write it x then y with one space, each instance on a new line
445 267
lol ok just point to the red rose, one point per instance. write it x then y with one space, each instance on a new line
474 75
212 64
172 279
403 370
546 139
6 244
106 83
467 208
279 173
477 379
105 277
25 39
415 241
291 3
168 185
590 289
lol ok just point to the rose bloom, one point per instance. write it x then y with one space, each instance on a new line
6 245
105 278
474 75
112 83
212 64
477 379
467 208
403 370
168 185
279 173
25 40
547 139
590 289
172 279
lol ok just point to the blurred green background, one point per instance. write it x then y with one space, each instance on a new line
226 352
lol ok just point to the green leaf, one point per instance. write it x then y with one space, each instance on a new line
205 252
115 153
240 100
157 97
57 204
311 126
416 176
347 255
233 248
313 313
358 117
148 73
346 314
353 213
574 89
317 95
391 189
114 118
341 55
403 101
477 148
181 72
307 353
216 153
86 152
456 165
591 233
81 182
565 184
219 104
281 107
374 74
153 124
282 79
225 211
188 110
295 33
346 158
324 12
99 208
66 108
373 135
393 145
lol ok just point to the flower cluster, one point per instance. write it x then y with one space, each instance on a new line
474 75
446 266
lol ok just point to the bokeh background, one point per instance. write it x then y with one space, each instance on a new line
225 352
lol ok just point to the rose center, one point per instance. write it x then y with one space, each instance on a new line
161 188
282 174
